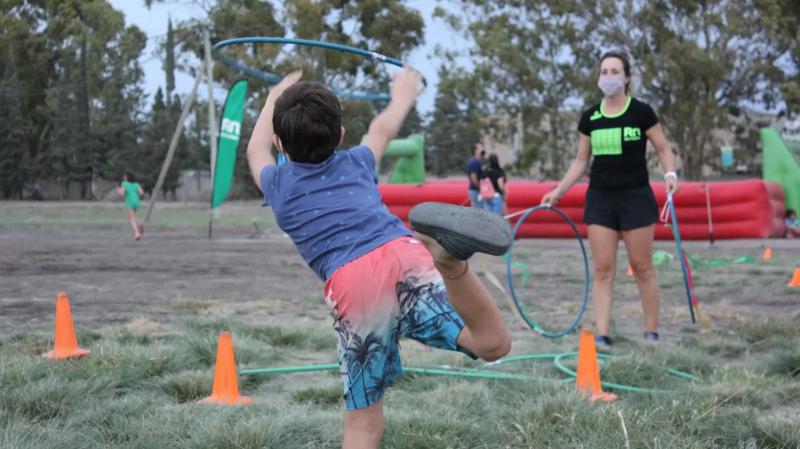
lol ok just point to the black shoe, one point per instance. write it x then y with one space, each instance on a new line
462 231
651 336
603 340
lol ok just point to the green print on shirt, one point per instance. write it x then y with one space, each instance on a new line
607 142
595 116
631 134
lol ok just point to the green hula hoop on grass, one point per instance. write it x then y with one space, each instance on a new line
488 374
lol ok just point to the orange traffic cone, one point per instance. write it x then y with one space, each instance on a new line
630 270
66 344
226 386
795 282
587 379
767 254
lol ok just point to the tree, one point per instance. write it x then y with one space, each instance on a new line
13 164
383 26
78 74
169 60
698 61
455 124
694 62
530 62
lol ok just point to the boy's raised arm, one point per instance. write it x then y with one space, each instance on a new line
386 125
258 149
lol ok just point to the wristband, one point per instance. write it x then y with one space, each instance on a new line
671 174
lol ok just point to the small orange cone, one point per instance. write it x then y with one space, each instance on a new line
630 270
795 282
226 386
66 344
587 379
767 254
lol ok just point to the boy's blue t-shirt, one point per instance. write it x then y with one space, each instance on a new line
333 210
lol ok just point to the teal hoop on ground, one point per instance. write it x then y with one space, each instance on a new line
273 79
536 326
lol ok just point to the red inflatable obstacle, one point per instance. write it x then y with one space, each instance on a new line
739 209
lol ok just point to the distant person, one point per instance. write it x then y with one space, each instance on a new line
792 225
497 176
620 205
474 175
381 282
132 192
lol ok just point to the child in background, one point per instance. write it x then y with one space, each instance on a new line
132 192
792 225
381 282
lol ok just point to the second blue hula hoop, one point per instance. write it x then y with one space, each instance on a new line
272 78
532 323
676 233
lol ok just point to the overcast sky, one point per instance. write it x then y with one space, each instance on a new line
153 22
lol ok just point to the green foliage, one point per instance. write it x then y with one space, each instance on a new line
455 126
696 63
78 77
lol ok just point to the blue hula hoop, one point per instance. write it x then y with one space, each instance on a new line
681 255
272 78
533 324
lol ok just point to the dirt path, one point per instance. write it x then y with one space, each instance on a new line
113 280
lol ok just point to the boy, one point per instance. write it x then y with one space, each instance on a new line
380 281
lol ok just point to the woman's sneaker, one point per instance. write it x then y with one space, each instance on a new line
651 336
603 340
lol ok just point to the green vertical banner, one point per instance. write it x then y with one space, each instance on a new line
230 130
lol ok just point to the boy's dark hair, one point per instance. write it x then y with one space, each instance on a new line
308 120
130 176
789 213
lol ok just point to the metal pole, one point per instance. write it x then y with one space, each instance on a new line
212 120
172 146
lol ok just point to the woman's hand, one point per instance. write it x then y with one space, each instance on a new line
551 198
672 184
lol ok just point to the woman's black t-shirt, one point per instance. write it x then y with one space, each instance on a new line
494 174
618 145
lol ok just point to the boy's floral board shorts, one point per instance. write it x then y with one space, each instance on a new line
392 291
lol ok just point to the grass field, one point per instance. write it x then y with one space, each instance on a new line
151 312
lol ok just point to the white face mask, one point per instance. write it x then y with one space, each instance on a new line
611 85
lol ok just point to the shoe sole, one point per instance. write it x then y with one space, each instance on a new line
462 231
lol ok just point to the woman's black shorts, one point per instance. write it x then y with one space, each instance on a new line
621 210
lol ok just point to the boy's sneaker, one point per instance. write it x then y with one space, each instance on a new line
462 231
603 340
651 336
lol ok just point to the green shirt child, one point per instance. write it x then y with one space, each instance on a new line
132 190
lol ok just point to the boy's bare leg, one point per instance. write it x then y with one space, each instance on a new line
363 428
485 333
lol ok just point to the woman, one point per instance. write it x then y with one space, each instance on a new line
619 202
497 176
